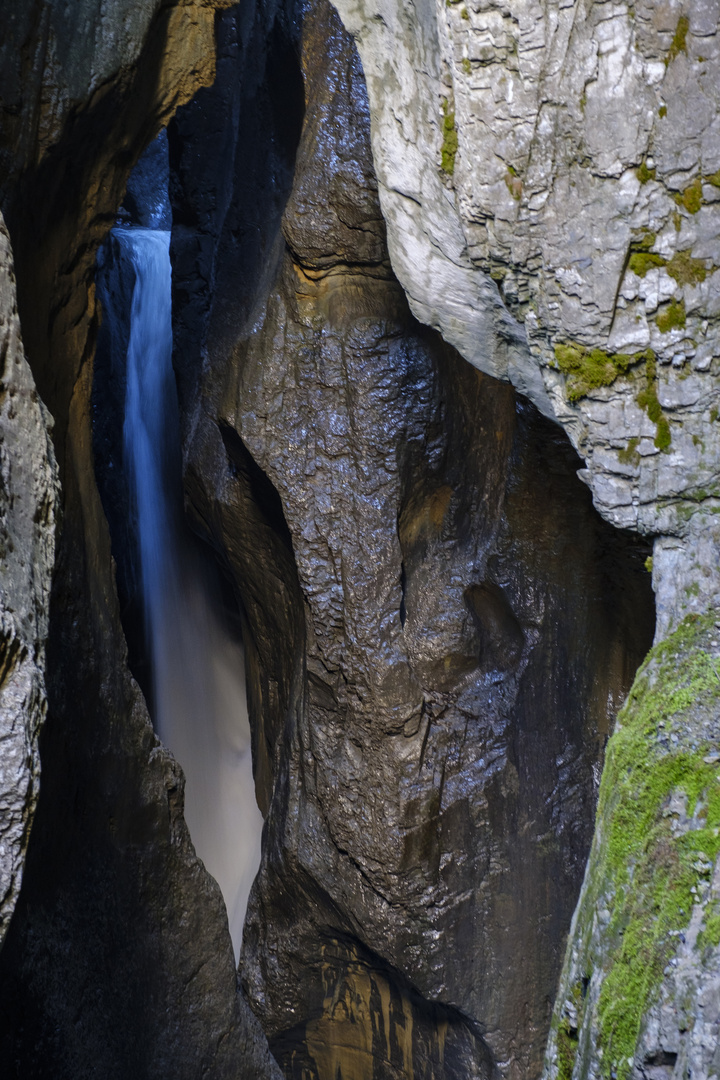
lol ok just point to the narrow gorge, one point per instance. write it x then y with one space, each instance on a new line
360 684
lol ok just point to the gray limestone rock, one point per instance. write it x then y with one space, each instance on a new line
549 177
28 513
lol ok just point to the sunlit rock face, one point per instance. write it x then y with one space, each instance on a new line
28 509
457 624
549 176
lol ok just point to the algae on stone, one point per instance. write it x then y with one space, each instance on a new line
648 400
671 317
691 198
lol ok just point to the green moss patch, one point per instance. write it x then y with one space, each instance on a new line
630 456
567 1047
691 198
642 261
709 936
644 174
641 867
686 270
588 369
679 41
671 317
450 139
648 400
682 266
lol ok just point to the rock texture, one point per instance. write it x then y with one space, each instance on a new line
457 624
640 991
555 168
549 176
28 512
118 959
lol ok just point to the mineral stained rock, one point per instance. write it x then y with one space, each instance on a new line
28 515
458 624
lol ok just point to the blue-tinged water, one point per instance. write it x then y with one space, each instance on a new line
198 665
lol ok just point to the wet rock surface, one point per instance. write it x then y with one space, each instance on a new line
458 624
118 959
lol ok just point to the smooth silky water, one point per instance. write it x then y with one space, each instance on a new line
199 686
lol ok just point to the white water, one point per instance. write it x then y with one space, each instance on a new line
198 666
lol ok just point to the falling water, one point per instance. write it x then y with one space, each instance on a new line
198 667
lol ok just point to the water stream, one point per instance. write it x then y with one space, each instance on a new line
197 662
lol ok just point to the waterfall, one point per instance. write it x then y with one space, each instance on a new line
198 668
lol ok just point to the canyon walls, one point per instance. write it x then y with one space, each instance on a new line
389 301
555 170
549 177
118 958
439 626
28 510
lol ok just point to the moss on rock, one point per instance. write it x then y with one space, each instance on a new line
450 139
588 369
686 270
648 400
657 837
679 41
642 261
691 198
630 456
671 317
644 173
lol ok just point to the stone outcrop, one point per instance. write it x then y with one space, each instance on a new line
28 513
439 628
640 991
549 176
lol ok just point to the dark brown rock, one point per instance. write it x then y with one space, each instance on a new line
456 624
118 960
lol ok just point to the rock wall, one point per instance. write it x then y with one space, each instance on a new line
549 177
118 958
28 509
640 991
439 627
